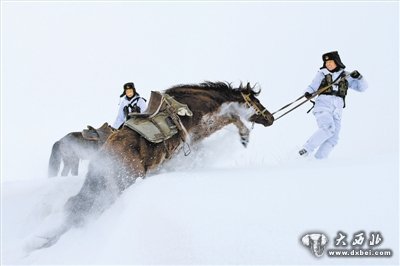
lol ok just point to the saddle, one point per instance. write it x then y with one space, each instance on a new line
160 121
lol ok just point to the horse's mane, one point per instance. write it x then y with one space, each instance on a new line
208 96
219 87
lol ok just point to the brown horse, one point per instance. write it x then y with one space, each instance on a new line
126 155
76 146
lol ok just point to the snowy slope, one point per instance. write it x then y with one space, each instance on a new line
240 213
63 67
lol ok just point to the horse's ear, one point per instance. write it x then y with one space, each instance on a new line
248 87
105 125
90 133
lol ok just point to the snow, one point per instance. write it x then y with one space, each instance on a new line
222 204
211 215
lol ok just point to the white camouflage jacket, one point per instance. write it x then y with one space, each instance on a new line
332 102
139 101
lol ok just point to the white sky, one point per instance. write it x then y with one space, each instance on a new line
64 63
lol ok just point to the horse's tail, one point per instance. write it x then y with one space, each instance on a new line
55 160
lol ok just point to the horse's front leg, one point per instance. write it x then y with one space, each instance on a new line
244 132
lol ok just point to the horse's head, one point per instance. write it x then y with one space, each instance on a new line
207 97
261 114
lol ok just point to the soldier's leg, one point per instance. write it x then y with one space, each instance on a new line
326 129
328 145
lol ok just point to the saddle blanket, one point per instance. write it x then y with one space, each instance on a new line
155 129
156 123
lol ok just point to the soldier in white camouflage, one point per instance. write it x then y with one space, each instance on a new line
130 102
330 103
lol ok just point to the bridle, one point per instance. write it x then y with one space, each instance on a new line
250 103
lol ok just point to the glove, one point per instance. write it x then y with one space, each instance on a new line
308 95
355 75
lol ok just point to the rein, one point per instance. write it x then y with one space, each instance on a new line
315 94
250 103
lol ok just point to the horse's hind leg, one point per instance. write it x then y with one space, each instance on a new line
66 167
131 168
71 164
98 191
75 166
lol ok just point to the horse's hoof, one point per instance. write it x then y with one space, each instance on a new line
244 139
244 142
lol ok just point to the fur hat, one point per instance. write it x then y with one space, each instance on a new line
127 86
332 56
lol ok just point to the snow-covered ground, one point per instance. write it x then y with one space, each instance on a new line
64 65
216 207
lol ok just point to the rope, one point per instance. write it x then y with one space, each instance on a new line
181 128
315 94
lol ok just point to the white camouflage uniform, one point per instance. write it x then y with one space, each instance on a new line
328 113
139 101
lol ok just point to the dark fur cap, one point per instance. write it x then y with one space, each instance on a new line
127 86
332 56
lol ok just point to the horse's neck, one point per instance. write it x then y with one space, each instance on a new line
227 114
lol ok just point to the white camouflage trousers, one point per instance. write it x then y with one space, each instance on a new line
327 135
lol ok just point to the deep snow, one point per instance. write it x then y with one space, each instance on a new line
223 204
231 210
